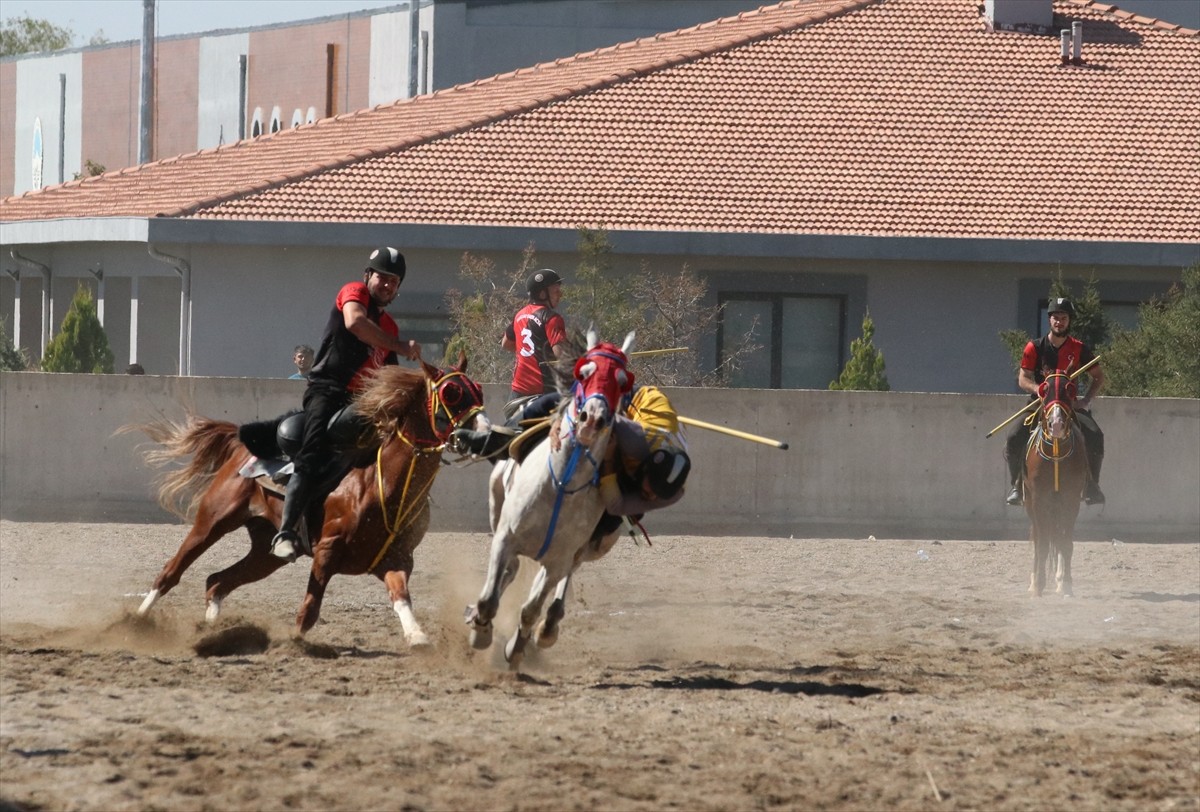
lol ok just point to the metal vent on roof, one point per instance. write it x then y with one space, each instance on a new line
1023 16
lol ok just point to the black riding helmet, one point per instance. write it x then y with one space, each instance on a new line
387 260
1061 305
666 471
540 280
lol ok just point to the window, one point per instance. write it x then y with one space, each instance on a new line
431 332
256 124
297 118
276 125
801 337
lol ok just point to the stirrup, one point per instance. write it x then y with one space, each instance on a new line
286 545
1015 498
1092 495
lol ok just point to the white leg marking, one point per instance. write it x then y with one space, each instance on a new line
412 629
151 599
212 611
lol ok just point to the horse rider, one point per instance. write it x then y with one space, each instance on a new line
1058 351
359 337
649 467
534 335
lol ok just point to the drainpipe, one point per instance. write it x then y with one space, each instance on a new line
185 305
44 270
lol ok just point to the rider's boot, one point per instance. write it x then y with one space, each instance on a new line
286 544
1092 495
1015 497
483 443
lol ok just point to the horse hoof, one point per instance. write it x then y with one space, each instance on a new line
419 639
545 637
481 637
212 610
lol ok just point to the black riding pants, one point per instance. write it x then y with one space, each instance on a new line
320 404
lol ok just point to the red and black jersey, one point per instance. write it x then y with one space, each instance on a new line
1042 358
343 359
535 329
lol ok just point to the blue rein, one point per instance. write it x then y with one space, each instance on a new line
560 485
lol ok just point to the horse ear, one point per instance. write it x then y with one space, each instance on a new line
430 370
593 338
462 361
628 345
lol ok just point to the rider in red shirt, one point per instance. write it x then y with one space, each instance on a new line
359 337
536 330
1058 351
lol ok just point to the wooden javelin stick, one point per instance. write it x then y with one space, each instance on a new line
659 352
691 421
1031 404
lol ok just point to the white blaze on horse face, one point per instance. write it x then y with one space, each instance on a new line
1056 421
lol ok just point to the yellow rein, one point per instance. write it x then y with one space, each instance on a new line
404 516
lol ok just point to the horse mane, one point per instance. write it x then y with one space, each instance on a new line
209 443
569 350
389 393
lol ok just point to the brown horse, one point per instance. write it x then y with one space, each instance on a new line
1056 471
372 521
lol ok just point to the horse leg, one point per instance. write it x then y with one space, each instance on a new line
397 586
254 566
546 634
1040 536
530 612
496 492
480 616
310 607
220 512
1065 544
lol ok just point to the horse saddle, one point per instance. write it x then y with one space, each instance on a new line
524 442
274 442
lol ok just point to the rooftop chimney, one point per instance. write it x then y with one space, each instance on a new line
1024 16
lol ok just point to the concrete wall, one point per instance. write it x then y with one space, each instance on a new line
882 464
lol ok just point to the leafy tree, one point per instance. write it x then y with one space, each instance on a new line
1161 358
25 35
1090 324
12 358
865 371
81 345
667 310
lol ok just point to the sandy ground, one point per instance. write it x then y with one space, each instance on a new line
696 674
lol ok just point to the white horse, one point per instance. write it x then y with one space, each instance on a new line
546 506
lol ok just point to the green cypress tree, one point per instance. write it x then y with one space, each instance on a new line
12 358
865 371
81 345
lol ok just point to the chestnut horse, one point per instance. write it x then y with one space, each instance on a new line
545 506
1056 471
373 520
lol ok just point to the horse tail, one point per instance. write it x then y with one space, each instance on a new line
208 443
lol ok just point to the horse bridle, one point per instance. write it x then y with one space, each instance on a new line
441 411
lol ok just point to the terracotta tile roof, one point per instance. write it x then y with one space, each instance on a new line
879 117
